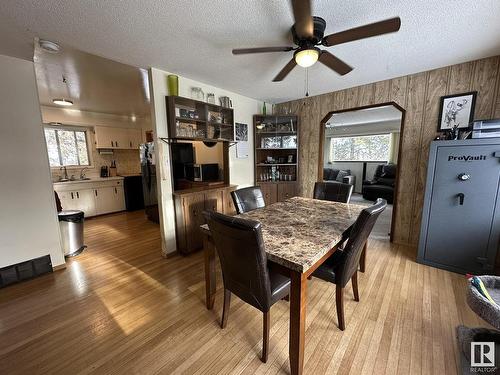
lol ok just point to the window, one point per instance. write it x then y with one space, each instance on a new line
362 148
67 147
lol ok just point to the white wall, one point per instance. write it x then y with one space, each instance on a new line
28 218
241 170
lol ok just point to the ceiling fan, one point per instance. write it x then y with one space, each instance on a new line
308 33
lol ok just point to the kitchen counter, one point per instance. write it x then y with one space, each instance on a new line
93 179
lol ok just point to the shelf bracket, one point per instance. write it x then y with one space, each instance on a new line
166 140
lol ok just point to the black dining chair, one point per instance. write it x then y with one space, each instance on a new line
333 191
245 269
342 266
248 199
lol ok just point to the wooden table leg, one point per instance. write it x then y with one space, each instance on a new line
297 321
209 251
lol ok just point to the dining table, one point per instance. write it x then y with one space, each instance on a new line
299 234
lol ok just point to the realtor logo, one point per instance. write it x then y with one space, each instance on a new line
484 356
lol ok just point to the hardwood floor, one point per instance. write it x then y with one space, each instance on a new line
119 308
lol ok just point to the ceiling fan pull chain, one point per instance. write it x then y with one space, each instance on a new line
307 82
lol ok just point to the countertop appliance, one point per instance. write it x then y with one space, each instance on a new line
148 171
460 228
104 171
202 172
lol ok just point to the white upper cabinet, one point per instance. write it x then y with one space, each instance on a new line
134 138
117 138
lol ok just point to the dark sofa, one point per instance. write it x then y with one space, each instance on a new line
382 184
337 175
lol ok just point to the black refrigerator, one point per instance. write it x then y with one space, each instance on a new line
148 171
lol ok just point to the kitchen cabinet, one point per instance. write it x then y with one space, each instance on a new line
134 138
117 138
82 200
93 198
189 207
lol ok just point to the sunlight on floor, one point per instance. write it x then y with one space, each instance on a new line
142 312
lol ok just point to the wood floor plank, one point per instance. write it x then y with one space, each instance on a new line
120 308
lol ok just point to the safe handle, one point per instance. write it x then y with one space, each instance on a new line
461 197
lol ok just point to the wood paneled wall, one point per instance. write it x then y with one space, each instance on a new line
419 95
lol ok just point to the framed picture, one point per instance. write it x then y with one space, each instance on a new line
240 132
456 110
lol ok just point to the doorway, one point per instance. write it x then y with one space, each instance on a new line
364 143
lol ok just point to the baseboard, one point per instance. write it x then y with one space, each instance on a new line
59 267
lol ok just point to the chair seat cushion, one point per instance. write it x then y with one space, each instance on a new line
280 285
327 270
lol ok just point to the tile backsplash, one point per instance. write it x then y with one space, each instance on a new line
127 162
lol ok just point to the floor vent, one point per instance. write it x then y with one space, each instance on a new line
25 270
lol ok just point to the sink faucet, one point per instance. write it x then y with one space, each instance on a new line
82 173
65 175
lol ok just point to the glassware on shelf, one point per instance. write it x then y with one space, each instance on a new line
173 85
197 93
211 98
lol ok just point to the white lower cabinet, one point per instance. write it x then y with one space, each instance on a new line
93 200
109 199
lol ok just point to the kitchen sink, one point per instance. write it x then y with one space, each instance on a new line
73 180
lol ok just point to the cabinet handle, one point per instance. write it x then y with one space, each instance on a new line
95 191
71 195
130 144
116 143
78 195
116 192
111 143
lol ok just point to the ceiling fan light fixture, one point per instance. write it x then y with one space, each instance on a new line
307 57
63 102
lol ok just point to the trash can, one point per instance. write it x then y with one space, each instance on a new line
71 225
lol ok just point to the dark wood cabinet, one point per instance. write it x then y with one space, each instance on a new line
270 192
286 191
189 207
276 156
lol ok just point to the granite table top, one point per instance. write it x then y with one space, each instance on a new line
299 231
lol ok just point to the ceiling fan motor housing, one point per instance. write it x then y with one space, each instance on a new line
318 33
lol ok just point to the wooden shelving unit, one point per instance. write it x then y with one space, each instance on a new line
276 156
190 119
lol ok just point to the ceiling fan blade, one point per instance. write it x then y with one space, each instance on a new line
334 63
304 25
366 31
241 51
284 72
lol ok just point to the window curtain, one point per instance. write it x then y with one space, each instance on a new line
394 148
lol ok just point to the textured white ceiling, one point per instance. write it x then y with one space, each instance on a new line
195 38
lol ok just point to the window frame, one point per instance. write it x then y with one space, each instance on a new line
73 129
330 154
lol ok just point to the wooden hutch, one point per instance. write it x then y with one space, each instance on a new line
276 156
193 121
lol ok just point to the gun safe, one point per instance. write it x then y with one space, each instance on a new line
460 228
